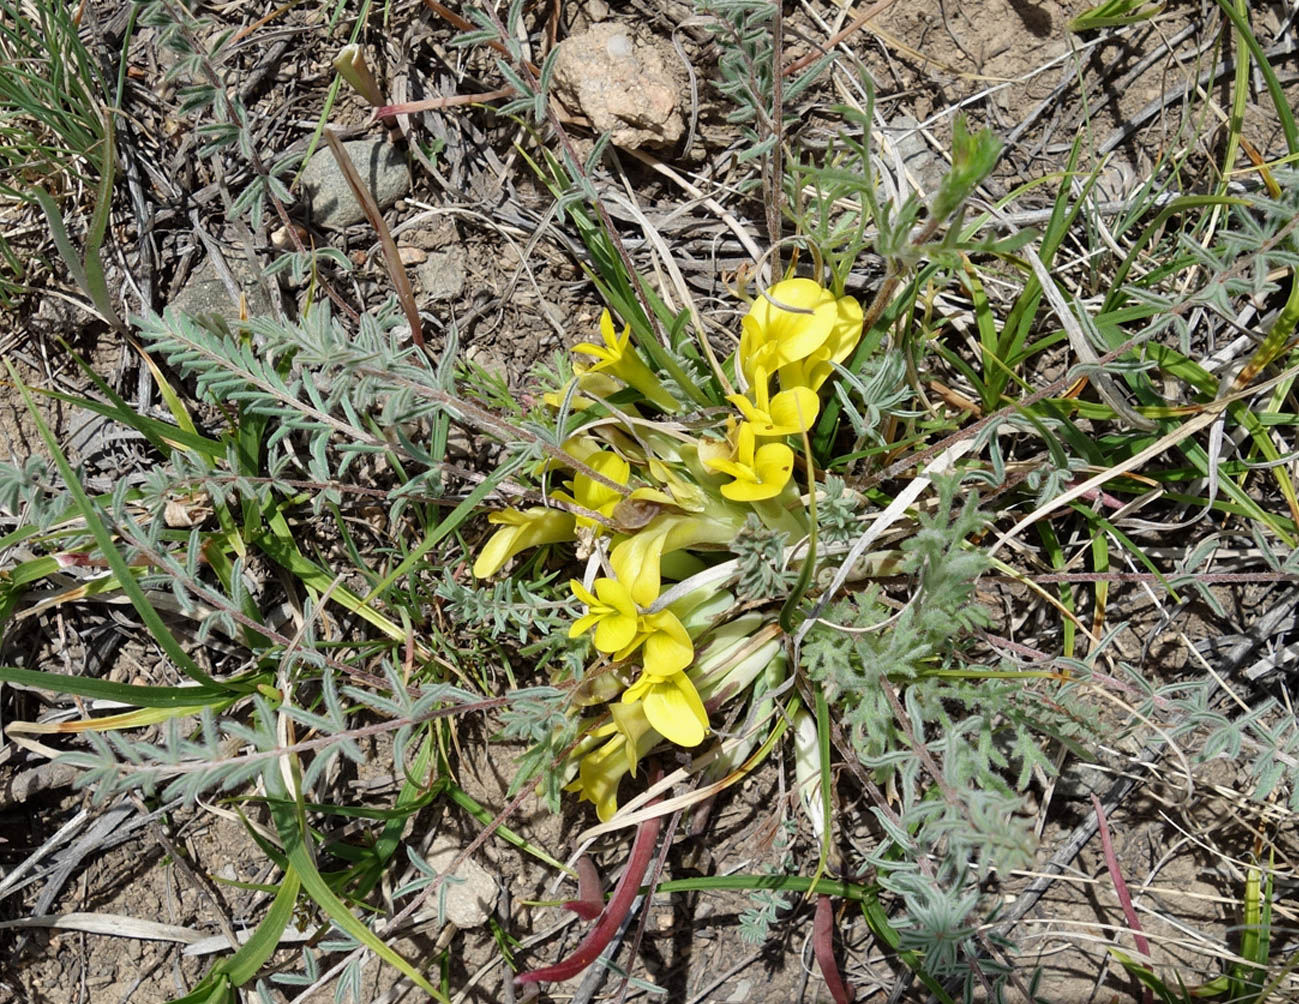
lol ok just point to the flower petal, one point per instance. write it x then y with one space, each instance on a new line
814 369
744 443
676 712
583 624
520 531
598 776
636 562
591 494
794 410
771 471
581 592
774 464
630 721
496 552
615 342
668 649
750 491
598 352
614 631
788 322
747 409
737 471
614 594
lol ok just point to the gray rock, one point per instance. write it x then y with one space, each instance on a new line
924 166
471 897
488 359
204 294
442 274
333 206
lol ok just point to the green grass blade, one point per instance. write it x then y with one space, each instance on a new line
163 435
130 694
104 539
254 953
466 802
94 264
292 828
1274 89
277 543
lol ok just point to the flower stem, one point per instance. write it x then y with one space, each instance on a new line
598 938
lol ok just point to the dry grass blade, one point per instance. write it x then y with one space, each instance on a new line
851 441
115 924
391 259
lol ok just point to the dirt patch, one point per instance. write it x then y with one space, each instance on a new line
516 295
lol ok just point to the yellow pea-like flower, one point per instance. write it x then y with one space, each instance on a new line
520 530
760 472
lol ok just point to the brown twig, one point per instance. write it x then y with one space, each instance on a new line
391 259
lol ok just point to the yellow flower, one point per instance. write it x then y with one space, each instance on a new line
812 370
790 411
668 648
592 383
592 494
683 492
617 357
602 769
636 561
672 706
519 531
614 347
788 322
611 611
759 474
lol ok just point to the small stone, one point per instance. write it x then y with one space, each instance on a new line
460 443
442 275
436 235
921 163
410 255
469 902
282 239
205 294
621 83
333 206
1079 780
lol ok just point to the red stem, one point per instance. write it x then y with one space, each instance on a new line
598 938
823 948
1121 888
590 898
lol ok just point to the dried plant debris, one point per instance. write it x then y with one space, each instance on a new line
713 489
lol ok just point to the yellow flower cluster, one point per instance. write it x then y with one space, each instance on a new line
659 496
793 333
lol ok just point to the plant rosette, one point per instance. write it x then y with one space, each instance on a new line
647 503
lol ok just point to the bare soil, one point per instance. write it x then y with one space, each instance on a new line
1010 64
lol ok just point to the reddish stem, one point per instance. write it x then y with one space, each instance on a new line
449 101
590 898
1121 888
598 938
823 949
